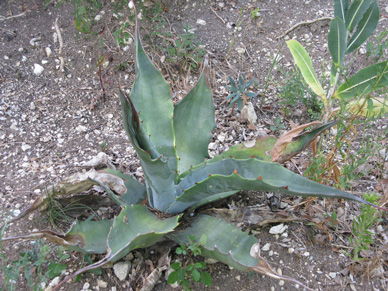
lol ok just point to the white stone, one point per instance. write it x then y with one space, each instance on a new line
291 250
98 17
240 50
333 275
32 106
81 128
201 22
25 147
54 282
44 62
102 284
38 69
130 5
278 229
266 247
221 137
212 146
248 113
48 52
121 270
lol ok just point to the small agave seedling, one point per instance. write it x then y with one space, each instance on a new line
172 145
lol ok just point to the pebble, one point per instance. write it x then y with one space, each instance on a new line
201 22
266 247
121 270
240 50
38 69
333 275
48 52
102 284
25 147
278 229
54 282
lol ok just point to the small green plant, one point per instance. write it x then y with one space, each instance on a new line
361 237
185 50
104 146
33 264
184 274
277 125
378 49
121 34
255 13
239 91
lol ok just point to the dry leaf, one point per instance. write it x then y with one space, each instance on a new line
286 138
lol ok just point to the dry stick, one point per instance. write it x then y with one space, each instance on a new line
302 23
60 40
219 17
2 18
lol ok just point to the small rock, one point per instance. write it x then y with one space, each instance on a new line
221 137
48 52
32 106
121 270
212 146
281 283
266 247
81 128
98 17
278 229
238 277
44 62
333 275
102 284
240 50
291 250
201 22
38 69
25 147
54 282
248 113
86 286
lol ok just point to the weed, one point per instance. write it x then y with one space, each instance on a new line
293 91
33 263
255 13
239 91
121 35
277 125
378 49
184 274
361 237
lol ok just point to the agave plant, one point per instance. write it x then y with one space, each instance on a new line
172 145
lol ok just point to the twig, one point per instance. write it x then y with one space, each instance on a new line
60 40
302 23
2 18
219 17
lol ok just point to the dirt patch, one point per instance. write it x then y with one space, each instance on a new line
53 121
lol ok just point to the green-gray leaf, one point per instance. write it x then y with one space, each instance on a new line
364 81
193 124
340 8
365 28
355 13
337 41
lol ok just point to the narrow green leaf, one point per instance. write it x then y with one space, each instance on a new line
193 124
355 13
376 106
302 59
340 8
365 28
364 81
337 41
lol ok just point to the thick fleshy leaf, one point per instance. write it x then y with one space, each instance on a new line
193 124
252 174
225 243
151 97
337 41
355 13
136 191
229 245
160 179
365 28
135 227
364 81
302 59
84 236
340 8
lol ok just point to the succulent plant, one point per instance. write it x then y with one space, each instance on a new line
172 145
